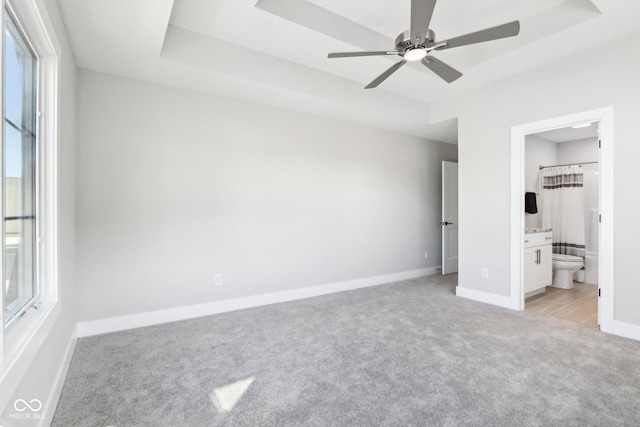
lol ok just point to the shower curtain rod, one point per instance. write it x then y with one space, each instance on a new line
568 164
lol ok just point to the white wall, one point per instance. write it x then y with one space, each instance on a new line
176 186
45 375
538 152
582 150
485 118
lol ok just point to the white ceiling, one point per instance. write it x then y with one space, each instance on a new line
570 134
274 51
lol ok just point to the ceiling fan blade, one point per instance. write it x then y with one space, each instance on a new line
382 77
500 32
421 12
444 71
351 54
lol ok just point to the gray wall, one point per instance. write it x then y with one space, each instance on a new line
582 150
485 118
176 186
538 152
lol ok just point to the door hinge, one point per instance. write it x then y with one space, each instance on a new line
599 292
600 218
599 143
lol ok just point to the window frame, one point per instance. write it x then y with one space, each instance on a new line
35 299
20 341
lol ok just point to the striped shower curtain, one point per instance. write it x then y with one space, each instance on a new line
563 208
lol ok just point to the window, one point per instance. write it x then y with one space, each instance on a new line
19 208
28 186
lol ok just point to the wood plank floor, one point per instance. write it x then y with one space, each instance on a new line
579 304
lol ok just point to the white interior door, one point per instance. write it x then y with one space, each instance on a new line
449 217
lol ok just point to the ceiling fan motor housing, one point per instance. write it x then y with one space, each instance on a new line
404 42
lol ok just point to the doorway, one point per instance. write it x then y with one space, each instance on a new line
562 186
603 116
449 217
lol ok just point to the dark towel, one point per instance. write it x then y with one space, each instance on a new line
530 205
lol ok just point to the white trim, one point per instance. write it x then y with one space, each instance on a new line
627 330
606 239
131 321
606 247
49 406
485 297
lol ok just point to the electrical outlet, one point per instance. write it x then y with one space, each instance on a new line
485 273
426 254
217 279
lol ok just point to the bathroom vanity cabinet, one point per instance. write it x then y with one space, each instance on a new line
537 261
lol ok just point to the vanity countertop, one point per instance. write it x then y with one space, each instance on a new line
536 230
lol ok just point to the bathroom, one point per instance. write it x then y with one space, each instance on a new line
570 291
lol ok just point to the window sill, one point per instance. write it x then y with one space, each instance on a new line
22 341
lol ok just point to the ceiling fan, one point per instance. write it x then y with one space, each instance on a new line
419 41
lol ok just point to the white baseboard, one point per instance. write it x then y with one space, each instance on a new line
54 395
627 330
131 321
485 297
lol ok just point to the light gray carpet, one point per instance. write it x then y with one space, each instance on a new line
404 354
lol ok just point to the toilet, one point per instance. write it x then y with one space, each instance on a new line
563 267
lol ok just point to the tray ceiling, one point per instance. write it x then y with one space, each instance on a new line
274 52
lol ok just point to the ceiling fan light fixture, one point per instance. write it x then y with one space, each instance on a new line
415 54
